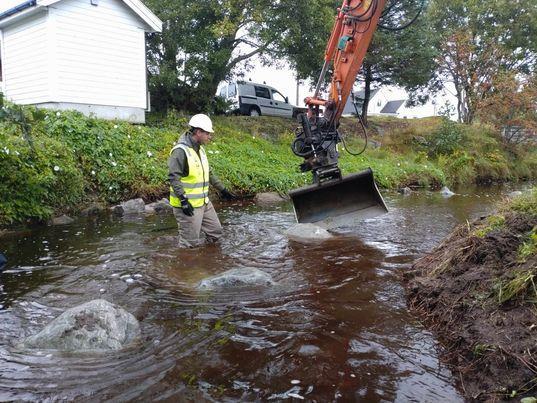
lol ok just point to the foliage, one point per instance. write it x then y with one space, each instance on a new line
405 58
304 42
525 203
446 139
512 103
76 160
479 40
35 178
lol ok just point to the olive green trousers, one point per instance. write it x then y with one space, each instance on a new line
204 226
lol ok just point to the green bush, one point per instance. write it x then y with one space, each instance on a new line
35 181
446 139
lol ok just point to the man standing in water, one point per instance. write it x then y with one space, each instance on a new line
189 177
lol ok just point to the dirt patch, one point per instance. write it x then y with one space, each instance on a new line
480 298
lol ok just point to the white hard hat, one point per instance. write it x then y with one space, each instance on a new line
201 121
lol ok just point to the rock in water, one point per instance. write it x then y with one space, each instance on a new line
133 206
61 220
269 198
446 192
237 278
307 233
94 326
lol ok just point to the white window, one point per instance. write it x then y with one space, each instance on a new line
277 96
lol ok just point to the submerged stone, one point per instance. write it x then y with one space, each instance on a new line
308 350
307 233
237 278
95 326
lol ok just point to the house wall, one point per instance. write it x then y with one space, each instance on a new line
377 102
100 54
25 60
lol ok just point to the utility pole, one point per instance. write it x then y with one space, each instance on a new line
297 89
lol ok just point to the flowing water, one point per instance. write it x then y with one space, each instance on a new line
334 328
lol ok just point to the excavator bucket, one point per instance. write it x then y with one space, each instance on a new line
339 202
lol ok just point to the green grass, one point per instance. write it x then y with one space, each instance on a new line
492 223
67 160
525 203
529 247
523 282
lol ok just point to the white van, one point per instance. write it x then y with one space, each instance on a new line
253 99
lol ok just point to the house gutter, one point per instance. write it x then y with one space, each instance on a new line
17 9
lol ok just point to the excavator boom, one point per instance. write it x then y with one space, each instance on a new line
333 200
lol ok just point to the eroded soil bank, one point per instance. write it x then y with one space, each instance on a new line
477 292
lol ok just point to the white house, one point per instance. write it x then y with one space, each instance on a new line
87 55
391 101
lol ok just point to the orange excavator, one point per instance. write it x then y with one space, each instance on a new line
333 200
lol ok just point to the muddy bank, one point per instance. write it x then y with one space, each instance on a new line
477 292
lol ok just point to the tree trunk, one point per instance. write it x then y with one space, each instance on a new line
367 92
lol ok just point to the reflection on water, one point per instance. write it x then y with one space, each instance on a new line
335 327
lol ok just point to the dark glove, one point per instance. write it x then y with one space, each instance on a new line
227 195
186 207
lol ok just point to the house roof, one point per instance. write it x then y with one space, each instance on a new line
361 94
392 106
30 6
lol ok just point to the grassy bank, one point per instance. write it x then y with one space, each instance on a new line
52 162
478 292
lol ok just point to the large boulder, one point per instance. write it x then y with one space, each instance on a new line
236 278
307 233
161 207
133 206
268 198
94 209
95 326
61 220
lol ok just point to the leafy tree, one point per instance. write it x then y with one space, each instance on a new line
203 40
304 42
405 57
479 40
511 103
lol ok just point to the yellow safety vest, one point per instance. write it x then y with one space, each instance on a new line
196 184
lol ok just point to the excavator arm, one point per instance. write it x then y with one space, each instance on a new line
333 200
355 23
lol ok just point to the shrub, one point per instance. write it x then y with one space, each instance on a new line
446 139
35 181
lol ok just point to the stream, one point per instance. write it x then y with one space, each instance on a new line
335 327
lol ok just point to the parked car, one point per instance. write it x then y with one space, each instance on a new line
247 98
